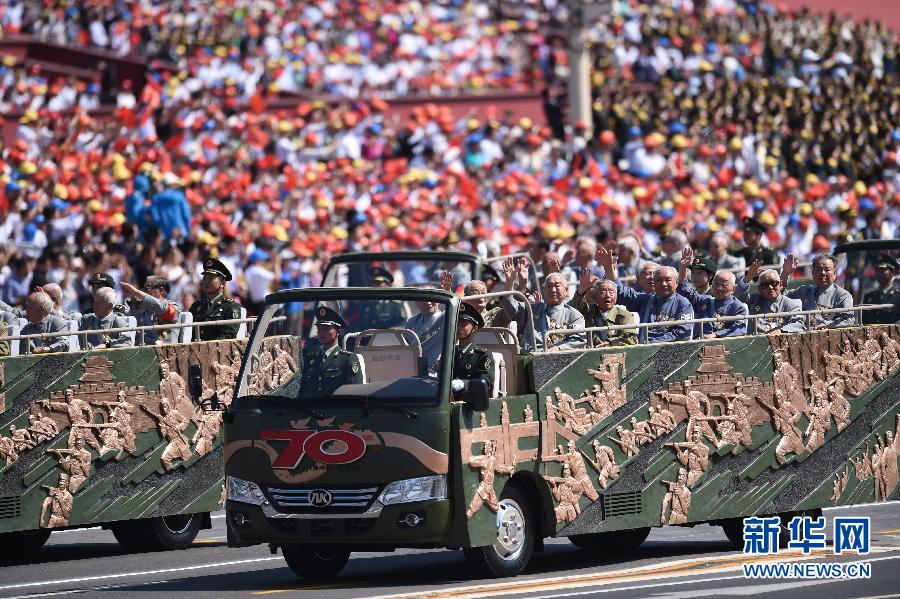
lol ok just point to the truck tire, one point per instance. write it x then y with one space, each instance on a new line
516 536
315 562
16 546
158 534
617 540
734 530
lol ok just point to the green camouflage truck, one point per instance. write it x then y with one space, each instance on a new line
597 445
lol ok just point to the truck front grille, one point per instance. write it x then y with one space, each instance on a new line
308 499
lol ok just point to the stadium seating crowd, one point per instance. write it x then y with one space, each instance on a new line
703 113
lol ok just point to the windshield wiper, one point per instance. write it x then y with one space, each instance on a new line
366 412
292 406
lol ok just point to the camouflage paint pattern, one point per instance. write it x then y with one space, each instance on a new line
97 437
690 432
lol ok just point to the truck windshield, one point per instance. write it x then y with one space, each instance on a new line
404 272
388 350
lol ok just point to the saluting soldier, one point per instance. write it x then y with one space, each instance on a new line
470 362
329 366
101 280
152 306
753 249
214 304
380 314
885 269
824 293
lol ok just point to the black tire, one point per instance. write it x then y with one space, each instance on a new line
511 552
315 562
734 530
158 534
15 546
614 541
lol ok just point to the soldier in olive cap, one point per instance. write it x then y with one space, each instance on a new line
885 269
753 249
101 280
703 269
470 361
329 367
213 304
380 314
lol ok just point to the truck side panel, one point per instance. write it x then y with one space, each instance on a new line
96 437
697 431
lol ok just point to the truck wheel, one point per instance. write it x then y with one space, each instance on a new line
734 530
156 534
516 535
20 545
618 540
315 562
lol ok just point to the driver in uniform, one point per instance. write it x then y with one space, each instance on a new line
470 362
329 366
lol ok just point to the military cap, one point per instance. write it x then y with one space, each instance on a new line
468 312
378 274
215 267
101 279
330 318
752 223
489 273
885 261
704 263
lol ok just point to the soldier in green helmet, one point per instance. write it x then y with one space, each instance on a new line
329 367
214 304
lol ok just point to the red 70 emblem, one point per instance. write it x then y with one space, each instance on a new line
313 444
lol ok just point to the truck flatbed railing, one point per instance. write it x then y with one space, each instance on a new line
649 325
139 331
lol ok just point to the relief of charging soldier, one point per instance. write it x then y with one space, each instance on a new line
78 411
117 434
207 431
605 463
76 461
489 465
577 468
58 503
172 425
695 455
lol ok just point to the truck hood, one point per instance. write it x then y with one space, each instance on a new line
273 442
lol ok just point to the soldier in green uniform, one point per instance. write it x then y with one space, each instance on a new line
214 304
470 361
885 269
380 314
101 280
329 367
753 249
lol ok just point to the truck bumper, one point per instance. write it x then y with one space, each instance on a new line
421 523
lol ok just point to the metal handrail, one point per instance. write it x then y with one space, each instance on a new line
141 329
669 323
516 294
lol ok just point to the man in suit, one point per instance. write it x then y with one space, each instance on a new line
103 318
551 312
885 269
663 305
470 362
769 300
214 305
717 300
824 293
328 367
38 308
597 304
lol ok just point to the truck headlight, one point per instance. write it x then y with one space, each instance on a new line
414 489
244 491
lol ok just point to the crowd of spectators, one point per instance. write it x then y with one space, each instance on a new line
703 114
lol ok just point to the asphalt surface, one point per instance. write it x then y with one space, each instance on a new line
674 563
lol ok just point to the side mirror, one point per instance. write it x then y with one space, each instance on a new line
195 381
476 395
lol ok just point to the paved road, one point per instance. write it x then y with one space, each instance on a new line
674 563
